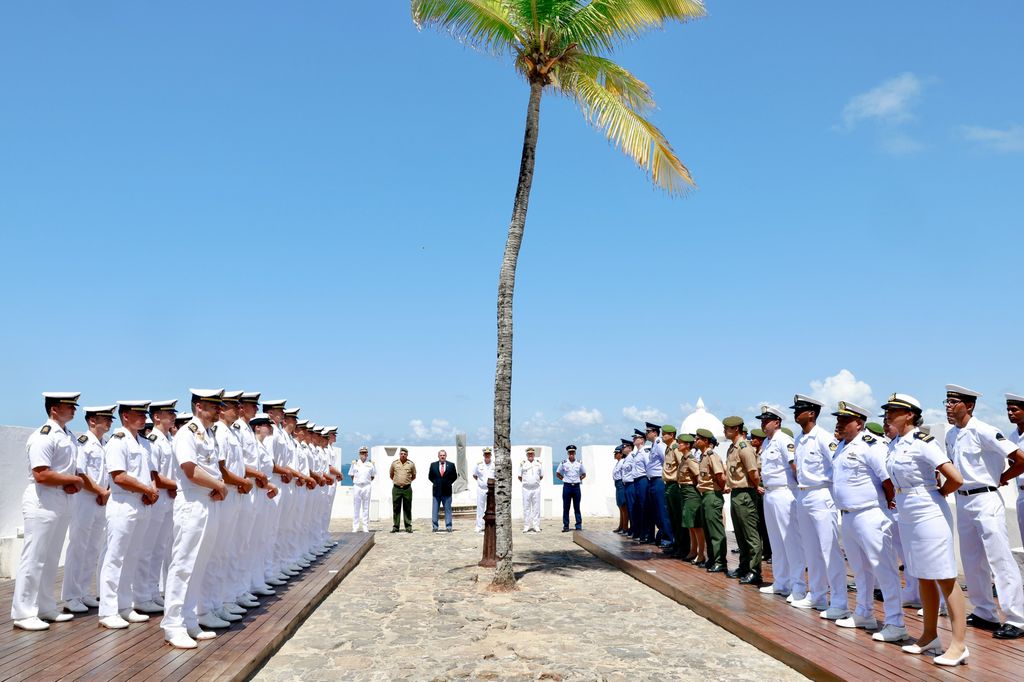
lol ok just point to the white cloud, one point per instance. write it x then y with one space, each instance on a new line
436 430
647 414
584 417
890 102
1004 141
843 386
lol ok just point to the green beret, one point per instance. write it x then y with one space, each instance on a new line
875 428
788 431
668 428
732 421
704 433
758 433
687 438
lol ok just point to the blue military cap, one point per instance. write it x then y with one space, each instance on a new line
570 448
637 433
626 441
652 427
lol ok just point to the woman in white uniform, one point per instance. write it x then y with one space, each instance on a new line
926 525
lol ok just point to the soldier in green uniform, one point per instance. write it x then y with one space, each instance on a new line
673 499
744 479
711 485
757 438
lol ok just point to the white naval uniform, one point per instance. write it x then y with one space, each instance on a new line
979 451
481 472
1017 438
361 473
47 511
302 461
246 558
218 583
88 522
127 523
332 492
267 514
858 473
780 515
195 529
281 449
531 473
155 549
818 518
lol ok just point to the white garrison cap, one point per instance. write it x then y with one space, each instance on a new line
902 401
64 397
848 409
163 405
133 405
1014 398
771 412
100 410
803 400
274 403
212 395
961 392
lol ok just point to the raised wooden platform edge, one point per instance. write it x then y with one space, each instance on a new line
719 617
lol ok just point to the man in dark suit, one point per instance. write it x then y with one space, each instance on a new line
442 474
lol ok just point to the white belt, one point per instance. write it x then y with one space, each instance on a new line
360 485
916 490
814 487
776 487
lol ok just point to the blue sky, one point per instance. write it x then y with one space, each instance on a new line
311 200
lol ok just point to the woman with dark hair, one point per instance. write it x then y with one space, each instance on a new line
620 490
926 525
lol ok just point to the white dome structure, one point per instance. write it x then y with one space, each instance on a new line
700 418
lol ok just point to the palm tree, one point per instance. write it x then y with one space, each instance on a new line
557 44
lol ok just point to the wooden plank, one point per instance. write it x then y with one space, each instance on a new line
80 649
800 638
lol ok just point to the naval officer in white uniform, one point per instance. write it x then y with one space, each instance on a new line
1015 413
362 472
530 474
481 472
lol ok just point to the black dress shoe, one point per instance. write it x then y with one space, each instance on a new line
700 564
408 530
716 568
733 573
1007 631
983 623
395 529
565 530
752 579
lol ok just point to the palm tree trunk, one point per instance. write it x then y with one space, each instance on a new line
504 576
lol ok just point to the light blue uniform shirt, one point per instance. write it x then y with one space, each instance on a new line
571 471
629 468
656 459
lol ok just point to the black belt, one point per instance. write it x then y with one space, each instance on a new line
739 490
567 483
402 487
975 491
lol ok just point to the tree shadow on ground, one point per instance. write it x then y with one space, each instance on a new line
558 562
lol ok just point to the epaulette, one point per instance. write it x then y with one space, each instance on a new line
742 443
1000 436
869 439
833 446
119 434
193 427
791 447
235 426
83 439
921 435
151 437
45 430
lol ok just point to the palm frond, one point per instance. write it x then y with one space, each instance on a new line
543 14
616 80
484 24
626 129
606 24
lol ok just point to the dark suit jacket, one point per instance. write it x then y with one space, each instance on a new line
442 485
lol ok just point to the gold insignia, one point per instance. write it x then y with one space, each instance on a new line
833 446
920 435
869 439
193 428
119 434
791 447
83 439
45 430
842 406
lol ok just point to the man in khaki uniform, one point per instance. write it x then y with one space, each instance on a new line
403 473
673 499
742 475
711 486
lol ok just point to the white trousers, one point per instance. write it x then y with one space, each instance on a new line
361 507
127 524
332 492
481 506
819 532
282 546
261 538
531 508
47 512
154 548
269 539
216 581
85 538
780 510
242 560
1020 513
867 536
190 555
985 554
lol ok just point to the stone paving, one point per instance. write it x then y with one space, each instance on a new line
417 608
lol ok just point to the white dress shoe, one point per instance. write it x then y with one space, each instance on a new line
56 617
944 660
293 569
250 596
856 621
265 591
248 603
149 607
891 633
229 617
113 623
832 613
231 607
806 603
199 634
771 589
309 557
159 600
75 606
276 582
210 620
182 642
91 602
32 624
304 564
934 646
792 598
133 616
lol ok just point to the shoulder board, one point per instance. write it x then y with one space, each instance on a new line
235 426
45 430
791 447
119 434
833 446
1000 436
83 439
869 439
742 444
193 428
922 436
151 438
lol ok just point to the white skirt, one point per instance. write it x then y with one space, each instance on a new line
926 529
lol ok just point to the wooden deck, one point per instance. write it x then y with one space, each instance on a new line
80 649
798 638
